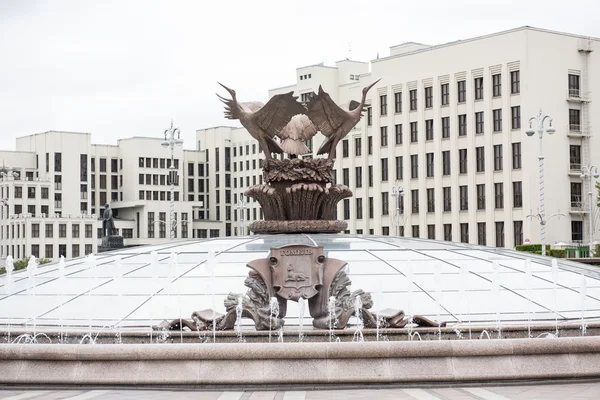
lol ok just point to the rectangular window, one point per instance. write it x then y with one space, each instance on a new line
35 230
448 232
414 166
462 91
478 88
462 161
481 196
345 148
398 131
462 125
445 94
497 157
497 85
346 208
429 159
479 122
497 114
575 120
574 157
515 113
574 85
415 231
464 198
464 233
414 198
431 232
346 176
370 176
369 116
413 99
75 231
49 230
62 230
49 251
577 231
384 136
447 198
429 129
445 127
370 145
150 225
414 134
358 177
359 209
383 105
481 236
399 169
371 208
517 194
518 232
428 97
446 162
498 195
357 147
516 155
430 200
499 234
384 169
385 205
74 251
398 102
480 158
515 83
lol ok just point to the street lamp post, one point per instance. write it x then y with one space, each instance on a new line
398 193
241 209
588 172
171 142
540 118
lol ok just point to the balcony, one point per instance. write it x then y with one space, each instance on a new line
577 130
576 95
577 205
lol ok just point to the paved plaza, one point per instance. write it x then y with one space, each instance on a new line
559 391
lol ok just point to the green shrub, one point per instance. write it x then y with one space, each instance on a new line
22 264
558 253
532 248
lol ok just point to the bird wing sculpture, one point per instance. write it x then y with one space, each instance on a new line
263 122
296 132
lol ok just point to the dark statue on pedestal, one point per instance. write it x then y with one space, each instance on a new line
110 241
299 195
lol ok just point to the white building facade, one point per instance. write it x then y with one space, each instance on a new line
55 185
447 124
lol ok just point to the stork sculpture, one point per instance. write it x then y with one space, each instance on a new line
263 121
333 121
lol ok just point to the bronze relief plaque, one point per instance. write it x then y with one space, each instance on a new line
297 271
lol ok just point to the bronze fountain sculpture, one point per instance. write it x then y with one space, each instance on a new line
299 195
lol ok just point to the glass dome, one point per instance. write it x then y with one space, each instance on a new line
454 282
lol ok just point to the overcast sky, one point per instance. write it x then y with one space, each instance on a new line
125 68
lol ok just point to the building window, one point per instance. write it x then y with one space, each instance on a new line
383 105
359 210
358 177
18 192
516 155
574 157
415 231
574 85
515 82
497 157
385 205
399 169
447 199
515 113
413 99
428 97
49 230
431 232
498 195
398 131
150 225
462 125
577 231
462 91
75 231
464 198
575 120
462 161
414 135
384 169
446 162
31 192
448 232
480 158
398 102
481 196
497 120
518 232
499 234
414 166
369 116
62 230
345 148
49 251
576 199
478 88
430 200
445 127
414 197
44 193
429 159
357 147
481 236
384 136
371 208
370 176
479 122
464 233
497 85
74 251
346 209
429 129
370 145
445 94
35 230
